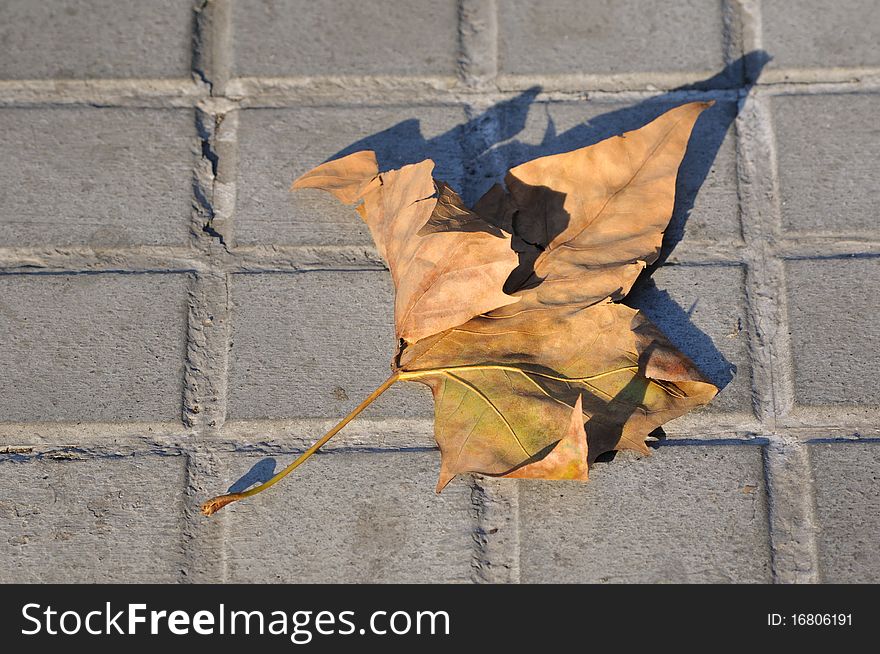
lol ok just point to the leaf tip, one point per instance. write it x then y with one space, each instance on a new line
346 177
569 458
443 480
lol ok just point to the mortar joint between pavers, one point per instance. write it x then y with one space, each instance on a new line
382 91
204 539
212 44
789 486
478 43
205 381
309 258
206 365
757 188
791 510
200 56
479 559
732 34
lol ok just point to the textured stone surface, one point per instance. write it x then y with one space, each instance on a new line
594 36
348 517
100 177
846 477
315 344
701 309
93 347
116 314
282 38
833 322
95 38
684 514
828 165
817 34
278 145
91 520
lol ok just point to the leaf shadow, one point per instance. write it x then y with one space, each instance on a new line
478 153
604 427
678 325
262 471
456 152
537 456
604 434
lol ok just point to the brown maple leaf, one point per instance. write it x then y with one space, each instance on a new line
448 265
508 312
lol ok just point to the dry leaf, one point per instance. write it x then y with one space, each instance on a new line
593 218
587 223
568 456
507 312
504 387
448 265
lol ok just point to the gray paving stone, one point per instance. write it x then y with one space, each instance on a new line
702 310
283 38
94 347
314 345
593 36
707 203
832 316
814 33
91 521
278 145
684 514
105 177
846 477
829 173
95 38
352 517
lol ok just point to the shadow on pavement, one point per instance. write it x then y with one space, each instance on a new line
260 472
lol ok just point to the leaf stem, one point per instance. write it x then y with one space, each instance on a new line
216 503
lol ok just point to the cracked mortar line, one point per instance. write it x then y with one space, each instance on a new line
213 41
208 334
788 478
205 373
